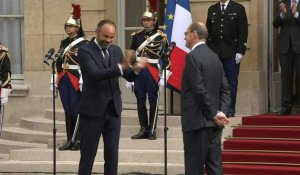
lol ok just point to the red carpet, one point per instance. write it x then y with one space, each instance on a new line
264 144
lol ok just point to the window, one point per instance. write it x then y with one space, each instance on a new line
11 31
130 18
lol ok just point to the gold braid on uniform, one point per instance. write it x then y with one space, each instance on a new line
69 55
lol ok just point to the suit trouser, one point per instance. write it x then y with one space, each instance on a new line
232 70
91 129
146 86
70 101
203 147
289 63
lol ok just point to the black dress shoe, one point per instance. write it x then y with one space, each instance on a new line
152 136
66 146
141 135
75 146
286 110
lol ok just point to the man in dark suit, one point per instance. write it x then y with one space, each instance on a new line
288 20
101 64
205 97
227 36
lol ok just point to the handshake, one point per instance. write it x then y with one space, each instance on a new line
130 62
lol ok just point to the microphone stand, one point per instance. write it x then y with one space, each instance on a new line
54 117
165 123
53 106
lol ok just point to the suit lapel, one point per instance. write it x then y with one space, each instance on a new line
111 55
97 55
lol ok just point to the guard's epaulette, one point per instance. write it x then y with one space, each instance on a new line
162 33
134 33
4 49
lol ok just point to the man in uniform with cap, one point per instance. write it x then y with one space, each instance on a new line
227 26
68 83
148 43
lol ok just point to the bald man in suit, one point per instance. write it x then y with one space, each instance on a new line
205 98
102 64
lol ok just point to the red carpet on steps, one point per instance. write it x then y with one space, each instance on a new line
264 144
272 120
260 169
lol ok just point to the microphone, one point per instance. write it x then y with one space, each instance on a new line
170 48
48 56
59 53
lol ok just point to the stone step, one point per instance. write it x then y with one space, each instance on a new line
27 135
8 145
46 124
42 124
72 167
20 90
125 155
60 116
143 144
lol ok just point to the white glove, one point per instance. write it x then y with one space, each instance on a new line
129 85
51 82
80 83
161 82
4 95
4 101
238 58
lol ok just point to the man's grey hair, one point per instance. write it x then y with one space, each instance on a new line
200 29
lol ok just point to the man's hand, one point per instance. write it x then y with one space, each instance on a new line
221 119
131 63
282 7
238 58
294 7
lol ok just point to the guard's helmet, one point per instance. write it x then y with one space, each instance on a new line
72 22
74 19
148 14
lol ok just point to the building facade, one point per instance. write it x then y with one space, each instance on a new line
43 28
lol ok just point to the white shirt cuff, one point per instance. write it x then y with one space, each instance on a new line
120 67
296 15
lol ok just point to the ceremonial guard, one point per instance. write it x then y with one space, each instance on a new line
148 43
68 83
5 80
227 26
5 70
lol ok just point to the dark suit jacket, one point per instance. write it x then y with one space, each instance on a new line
204 89
227 35
289 30
99 81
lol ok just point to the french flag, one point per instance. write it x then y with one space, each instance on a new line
177 19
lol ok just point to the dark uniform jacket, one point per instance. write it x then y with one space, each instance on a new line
153 49
289 30
69 58
5 69
228 32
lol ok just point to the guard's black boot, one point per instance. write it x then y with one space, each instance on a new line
153 121
143 134
66 146
75 146
152 136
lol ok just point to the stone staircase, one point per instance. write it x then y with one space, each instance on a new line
27 148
